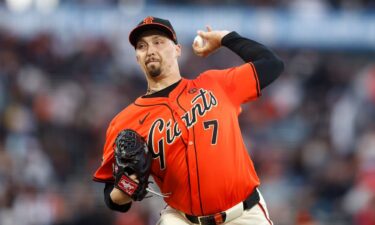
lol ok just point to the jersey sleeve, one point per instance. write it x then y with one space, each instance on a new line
104 172
240 83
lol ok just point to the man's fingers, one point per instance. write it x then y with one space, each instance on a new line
211 43
201 33
134 177
198 51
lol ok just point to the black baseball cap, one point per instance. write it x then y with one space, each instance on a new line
149 23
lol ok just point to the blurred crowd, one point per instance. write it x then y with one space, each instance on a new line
311 135
328 4
324 4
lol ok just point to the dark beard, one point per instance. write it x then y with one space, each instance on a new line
154 71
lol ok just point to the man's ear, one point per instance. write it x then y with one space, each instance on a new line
178 49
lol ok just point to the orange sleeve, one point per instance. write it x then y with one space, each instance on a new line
104 172
240 83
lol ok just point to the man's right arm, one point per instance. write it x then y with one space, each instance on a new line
268 65
116 199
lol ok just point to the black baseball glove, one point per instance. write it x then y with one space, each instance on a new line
132 157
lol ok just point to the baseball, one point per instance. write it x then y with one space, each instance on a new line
198 40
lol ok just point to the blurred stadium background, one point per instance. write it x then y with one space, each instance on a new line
66 68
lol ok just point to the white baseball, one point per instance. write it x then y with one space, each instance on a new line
198 40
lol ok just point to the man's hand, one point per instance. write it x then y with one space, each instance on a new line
132 157
212 41
119 197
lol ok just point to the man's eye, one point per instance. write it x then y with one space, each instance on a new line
141 45
157 42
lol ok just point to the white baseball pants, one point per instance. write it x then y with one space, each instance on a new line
257 215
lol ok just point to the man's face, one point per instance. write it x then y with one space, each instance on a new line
156 53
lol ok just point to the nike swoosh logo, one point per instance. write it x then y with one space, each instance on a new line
144 118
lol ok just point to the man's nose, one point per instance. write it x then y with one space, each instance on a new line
151 50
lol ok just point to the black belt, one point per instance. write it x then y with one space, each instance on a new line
220 217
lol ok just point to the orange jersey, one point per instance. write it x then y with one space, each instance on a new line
198 151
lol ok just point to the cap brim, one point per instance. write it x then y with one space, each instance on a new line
136 32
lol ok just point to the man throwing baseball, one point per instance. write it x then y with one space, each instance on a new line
190 128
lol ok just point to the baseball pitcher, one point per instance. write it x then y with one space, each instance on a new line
185 133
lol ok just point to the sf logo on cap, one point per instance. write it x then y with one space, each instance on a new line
148 20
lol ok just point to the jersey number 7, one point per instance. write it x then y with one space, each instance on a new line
214 125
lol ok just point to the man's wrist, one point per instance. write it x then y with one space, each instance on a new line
118 197
224 33
229 37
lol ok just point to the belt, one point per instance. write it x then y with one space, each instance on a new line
228 215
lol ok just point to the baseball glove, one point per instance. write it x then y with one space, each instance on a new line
132 157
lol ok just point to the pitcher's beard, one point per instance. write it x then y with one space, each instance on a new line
154 71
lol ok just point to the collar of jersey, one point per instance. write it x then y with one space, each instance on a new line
157 100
